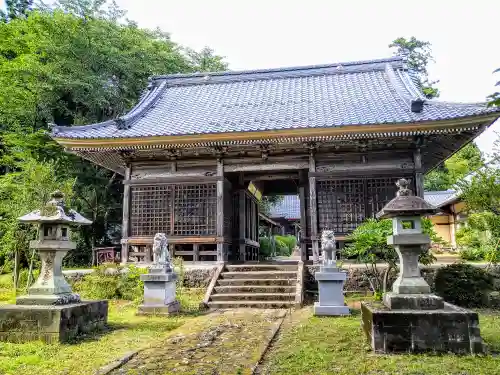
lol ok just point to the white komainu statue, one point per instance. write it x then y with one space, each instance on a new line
328 247
161 255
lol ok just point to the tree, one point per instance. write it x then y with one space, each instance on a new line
78 62
15 9
494 99
418 54
454 169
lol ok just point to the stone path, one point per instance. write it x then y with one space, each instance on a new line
222 342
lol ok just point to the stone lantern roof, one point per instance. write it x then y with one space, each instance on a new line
406 204
55 212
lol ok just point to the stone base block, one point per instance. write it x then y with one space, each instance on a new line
330 310
413 301
51 324
171 308
49 299
451 329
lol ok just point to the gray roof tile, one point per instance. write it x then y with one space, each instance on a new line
438 198
288 207
356 93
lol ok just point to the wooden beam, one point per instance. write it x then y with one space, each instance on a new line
419 176
174 180
265 167
126 215
313 208
221 253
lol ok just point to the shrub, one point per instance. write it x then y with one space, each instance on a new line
109 281
463 284
289 242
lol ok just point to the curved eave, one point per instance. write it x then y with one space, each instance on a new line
340 132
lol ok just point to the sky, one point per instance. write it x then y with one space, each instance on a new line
277 33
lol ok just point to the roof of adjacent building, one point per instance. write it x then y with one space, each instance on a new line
319 96
440 198
289 206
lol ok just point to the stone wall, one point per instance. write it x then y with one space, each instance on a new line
356 280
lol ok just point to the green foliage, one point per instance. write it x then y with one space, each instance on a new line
418 54
276 246
268 201
289 243
494 99
463 284
109 281
25 189
454 169
74 62
369 246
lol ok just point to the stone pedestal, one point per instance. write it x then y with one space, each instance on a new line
448 329
159 292
331 292
49 323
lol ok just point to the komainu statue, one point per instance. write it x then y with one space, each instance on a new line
328 247
161 255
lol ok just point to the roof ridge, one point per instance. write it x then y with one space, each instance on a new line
277 70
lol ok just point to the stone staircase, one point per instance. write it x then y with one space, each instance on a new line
257 285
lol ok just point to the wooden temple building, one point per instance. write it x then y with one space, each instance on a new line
339 136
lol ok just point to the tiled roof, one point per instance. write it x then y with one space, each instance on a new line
440 198
288 207
321 96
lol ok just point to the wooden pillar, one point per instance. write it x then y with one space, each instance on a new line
221 253
313 209
126 216
419 176
242 217
303 217
196 252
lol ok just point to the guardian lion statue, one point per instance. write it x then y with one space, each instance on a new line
328 247
161 255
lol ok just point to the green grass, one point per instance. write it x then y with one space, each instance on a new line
314 345
127 332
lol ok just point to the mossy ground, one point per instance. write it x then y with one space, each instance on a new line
309 345
127 332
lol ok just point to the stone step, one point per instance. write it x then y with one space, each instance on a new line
261 267
256 282
252 304
260 275
253 297
254 289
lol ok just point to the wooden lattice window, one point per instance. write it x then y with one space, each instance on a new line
341 205
150 210
177 210
195 209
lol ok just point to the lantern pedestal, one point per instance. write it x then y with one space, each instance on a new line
49 323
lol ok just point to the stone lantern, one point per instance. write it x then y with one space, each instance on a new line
51 312
54 220
411 319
